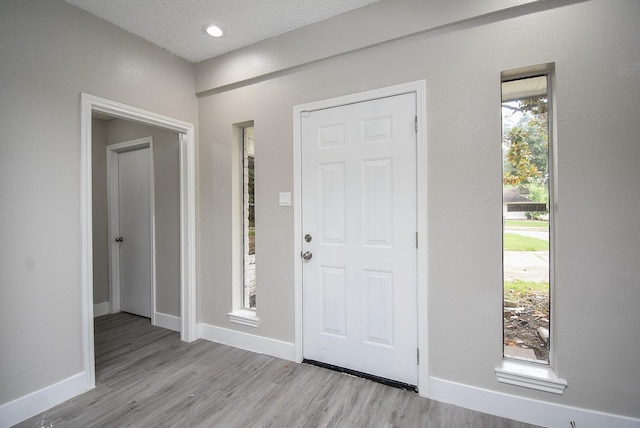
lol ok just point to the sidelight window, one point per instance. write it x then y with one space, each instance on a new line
527 201
244 291
249 219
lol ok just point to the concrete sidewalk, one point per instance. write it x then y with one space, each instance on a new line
531 232
526 266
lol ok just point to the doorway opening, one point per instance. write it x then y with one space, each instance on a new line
90 106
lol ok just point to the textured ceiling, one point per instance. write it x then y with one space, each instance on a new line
176 25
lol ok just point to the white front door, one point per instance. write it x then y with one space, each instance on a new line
134 193
359 226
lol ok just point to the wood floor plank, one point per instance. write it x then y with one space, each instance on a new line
147 377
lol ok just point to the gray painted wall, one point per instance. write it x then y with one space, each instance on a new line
377 23
594 47
100 208
51 52
167 206
167 210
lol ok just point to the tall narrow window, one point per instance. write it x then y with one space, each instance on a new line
526 216
249 219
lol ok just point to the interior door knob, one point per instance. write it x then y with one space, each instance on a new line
307 255
119 239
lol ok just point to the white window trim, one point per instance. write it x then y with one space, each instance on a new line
246 317
517 372
539 377
239 314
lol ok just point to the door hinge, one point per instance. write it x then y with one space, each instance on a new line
416 123
418 355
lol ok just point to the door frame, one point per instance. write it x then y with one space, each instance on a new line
113 219
420 89
89 104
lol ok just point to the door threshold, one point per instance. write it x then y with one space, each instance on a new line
137 315
374 378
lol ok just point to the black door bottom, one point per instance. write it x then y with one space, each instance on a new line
382 380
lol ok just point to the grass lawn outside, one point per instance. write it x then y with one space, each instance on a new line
515 242
526 287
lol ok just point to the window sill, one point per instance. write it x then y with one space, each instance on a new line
245 317
530 376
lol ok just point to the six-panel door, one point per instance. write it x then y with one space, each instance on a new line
359 207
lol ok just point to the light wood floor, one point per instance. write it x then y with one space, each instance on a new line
147 377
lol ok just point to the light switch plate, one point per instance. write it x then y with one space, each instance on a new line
284 199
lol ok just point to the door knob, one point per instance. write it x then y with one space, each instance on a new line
119 239
307 255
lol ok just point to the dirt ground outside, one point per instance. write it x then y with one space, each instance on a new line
521 326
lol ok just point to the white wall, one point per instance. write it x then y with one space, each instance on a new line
51 52
594 48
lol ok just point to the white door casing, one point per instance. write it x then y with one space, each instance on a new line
420 89
89 105
131 227
359 210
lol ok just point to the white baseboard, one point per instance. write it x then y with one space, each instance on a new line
523 409
170 322
37 402
100 309
250 342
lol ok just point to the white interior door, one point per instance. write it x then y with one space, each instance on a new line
359 223
135 262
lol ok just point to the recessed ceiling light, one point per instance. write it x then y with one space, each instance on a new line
213 30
